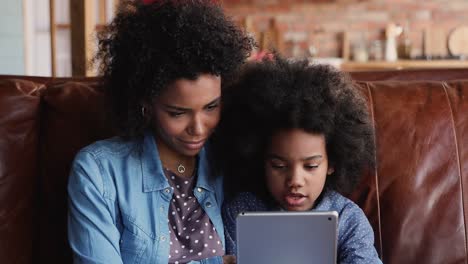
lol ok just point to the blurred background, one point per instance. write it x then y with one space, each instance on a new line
57 37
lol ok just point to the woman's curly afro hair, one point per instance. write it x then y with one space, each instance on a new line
148 46
277 94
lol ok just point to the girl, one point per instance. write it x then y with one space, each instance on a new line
298 135
151 195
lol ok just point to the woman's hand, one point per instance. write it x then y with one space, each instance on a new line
229 259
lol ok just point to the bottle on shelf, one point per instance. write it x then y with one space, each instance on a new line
271 37
391 33
404 45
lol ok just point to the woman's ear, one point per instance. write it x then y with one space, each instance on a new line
330 170
146 112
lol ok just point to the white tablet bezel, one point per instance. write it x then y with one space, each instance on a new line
287 237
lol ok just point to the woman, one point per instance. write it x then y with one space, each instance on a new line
151 195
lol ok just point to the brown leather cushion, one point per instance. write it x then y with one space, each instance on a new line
457 92
73 117
19 132
421 137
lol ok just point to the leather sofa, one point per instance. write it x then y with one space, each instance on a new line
416 198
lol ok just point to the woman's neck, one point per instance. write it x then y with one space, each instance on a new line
181 165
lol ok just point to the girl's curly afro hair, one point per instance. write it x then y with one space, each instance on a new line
277 94
148 46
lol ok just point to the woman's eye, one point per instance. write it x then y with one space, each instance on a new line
211 107
277 166
175 114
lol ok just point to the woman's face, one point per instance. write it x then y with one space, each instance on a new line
186 113
296 167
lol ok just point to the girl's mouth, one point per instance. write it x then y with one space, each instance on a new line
295 199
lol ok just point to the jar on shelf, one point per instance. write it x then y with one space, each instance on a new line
360 52
376 50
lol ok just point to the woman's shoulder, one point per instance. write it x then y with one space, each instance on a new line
104 147
102 165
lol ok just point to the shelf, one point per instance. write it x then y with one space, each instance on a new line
403 64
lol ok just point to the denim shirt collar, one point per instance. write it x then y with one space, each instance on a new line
154 178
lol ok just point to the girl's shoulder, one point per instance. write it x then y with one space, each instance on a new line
244 202
351 216
334 201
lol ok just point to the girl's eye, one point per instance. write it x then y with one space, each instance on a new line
175 114
311 166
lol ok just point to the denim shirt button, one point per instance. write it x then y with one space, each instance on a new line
167 190
208 204
200 190
163 238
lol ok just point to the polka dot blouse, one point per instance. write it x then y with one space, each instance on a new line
193 236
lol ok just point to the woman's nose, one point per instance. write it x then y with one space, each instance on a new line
196 126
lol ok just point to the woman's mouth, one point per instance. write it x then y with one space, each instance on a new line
294 199
193 145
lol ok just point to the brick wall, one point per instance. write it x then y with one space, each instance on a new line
322 22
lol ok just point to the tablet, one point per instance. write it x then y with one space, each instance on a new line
287 237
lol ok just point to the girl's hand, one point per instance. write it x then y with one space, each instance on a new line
229 259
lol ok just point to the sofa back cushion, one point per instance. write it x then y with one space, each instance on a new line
415 198
19 132
73 116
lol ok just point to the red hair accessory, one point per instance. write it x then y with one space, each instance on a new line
262 55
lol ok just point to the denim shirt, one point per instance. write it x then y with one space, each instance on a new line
119 201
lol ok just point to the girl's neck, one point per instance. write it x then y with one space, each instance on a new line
180 164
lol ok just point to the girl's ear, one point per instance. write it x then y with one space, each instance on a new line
330 170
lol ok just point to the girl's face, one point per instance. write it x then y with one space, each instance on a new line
186 113
296 167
